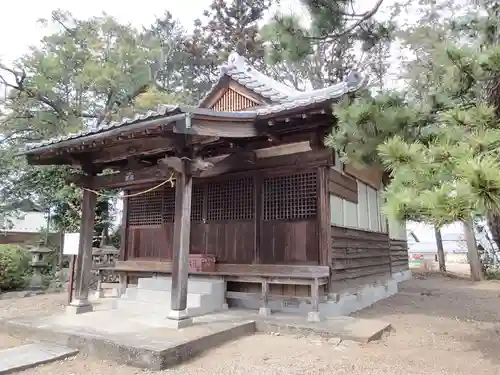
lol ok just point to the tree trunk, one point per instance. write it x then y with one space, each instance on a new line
494 225
440 250
60 257
476 268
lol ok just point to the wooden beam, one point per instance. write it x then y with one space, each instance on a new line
214 128
129 149
232 163
159 172
114 132
246 145
122 179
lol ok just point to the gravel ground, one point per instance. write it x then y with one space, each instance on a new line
442 326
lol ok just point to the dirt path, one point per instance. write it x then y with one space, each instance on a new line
442 326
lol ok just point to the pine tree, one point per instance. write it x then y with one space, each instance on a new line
226 26
86 73
337 42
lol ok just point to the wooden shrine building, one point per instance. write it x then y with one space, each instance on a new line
258 199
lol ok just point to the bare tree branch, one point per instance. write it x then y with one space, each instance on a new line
363 17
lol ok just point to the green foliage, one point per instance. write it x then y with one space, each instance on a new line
14 267
327 50
85 73
366 122
438 141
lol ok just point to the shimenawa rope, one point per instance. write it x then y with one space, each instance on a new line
170 179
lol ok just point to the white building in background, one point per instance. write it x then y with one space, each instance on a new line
422 241
27 218
27 222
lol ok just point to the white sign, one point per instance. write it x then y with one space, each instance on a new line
71 243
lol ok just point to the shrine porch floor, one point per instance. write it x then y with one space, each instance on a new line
143 342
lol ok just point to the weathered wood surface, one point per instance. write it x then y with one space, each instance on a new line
371 176
342 186
156 173
357 253
247 218
152 241
229 242
219 100
222 269
314 278
83 266
399 255
324 236
182 237
233 101
288 242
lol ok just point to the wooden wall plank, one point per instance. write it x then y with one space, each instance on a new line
342 186
358 253
290 242
232 100
370 176
399 255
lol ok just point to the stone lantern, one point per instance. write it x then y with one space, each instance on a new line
38 263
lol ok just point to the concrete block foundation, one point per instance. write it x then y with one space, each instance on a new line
335 304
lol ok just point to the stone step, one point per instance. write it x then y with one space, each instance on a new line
161 310
160 296
31 355
195 285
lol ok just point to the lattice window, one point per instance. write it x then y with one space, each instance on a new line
145 209
168 204
290 197
197 203
231 200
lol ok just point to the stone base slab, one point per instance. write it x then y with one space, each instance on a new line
31 355
78 309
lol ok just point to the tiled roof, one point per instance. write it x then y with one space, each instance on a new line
246 75
162 110
238 69
353 83
284 98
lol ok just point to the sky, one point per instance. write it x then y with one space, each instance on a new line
16 36
138 13
28 32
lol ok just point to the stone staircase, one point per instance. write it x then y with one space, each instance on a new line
152 296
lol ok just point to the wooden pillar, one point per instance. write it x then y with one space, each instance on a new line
124 229
182 233
83 266
258 218
324 232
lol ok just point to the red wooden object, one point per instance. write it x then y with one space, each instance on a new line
201 263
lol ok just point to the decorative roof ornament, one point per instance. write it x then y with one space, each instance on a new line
353 80
235 59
